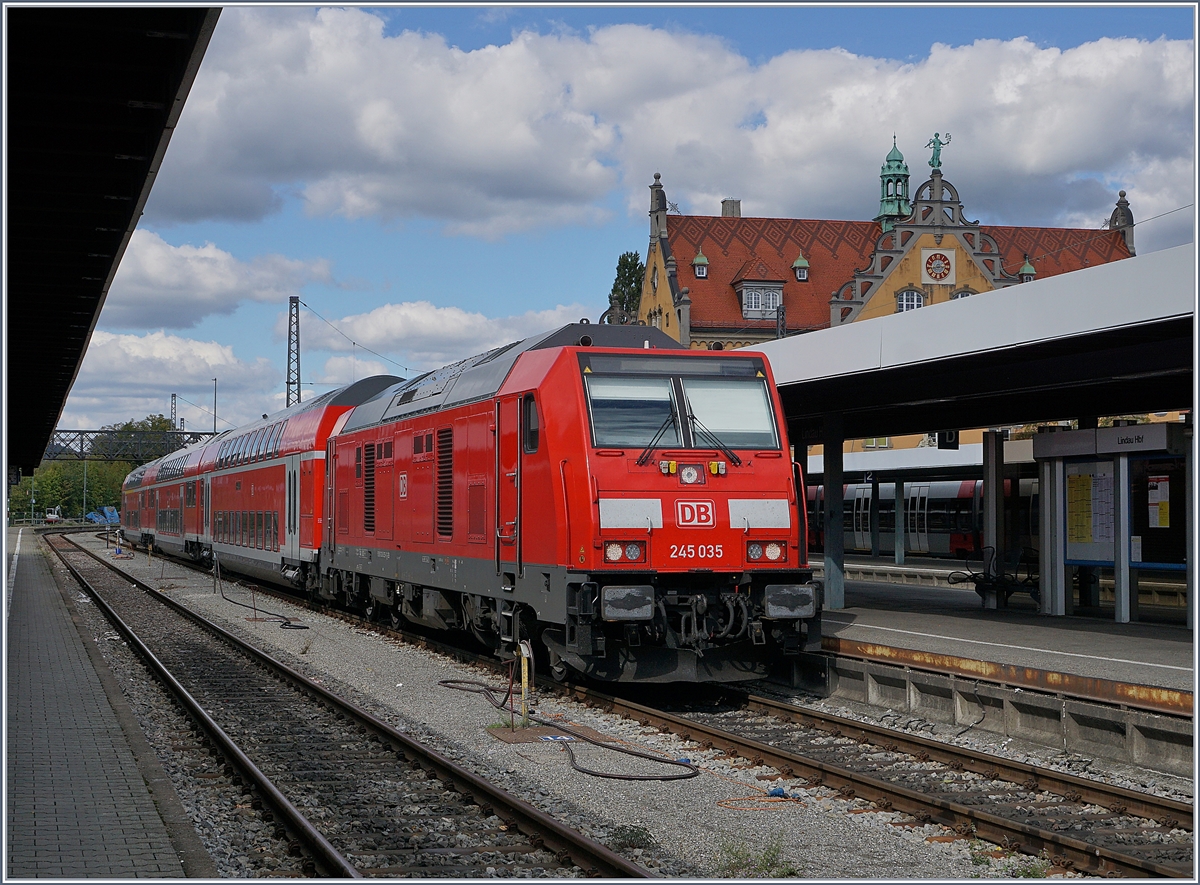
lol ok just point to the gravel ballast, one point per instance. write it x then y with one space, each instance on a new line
721 823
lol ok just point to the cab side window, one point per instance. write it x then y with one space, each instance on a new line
529 421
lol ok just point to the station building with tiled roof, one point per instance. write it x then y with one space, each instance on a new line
718 282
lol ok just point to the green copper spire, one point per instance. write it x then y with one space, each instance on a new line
893 189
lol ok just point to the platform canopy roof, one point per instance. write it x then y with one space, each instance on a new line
92 97
1107 340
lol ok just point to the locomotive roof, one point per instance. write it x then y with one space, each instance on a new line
480 376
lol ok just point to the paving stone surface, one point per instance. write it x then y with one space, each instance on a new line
77 805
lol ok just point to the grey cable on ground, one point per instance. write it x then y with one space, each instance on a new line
486 690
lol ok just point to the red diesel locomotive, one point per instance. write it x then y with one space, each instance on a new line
628 505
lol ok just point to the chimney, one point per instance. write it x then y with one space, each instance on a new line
731 208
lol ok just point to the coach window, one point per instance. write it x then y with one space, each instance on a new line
260 443
529 420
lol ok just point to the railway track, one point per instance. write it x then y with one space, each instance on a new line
354 795
1074 822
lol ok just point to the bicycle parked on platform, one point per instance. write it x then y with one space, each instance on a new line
1001 579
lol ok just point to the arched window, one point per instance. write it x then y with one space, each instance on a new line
909 299
961 293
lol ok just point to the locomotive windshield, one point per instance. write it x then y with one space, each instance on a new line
678 403
630 411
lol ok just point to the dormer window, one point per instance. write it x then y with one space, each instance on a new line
700 265
760 302
800 269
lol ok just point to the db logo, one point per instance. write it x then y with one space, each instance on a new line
698 514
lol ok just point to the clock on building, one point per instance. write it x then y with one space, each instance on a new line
937 266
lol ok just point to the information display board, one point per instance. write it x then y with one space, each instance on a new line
1091 522
1158 511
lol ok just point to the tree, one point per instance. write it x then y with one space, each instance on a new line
626 292
61 483
129 438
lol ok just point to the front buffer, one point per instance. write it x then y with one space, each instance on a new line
692 627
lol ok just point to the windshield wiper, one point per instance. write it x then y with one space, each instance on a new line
728 452
644 457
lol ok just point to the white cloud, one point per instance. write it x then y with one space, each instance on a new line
539 131
163 286
420 335
339 370
126 377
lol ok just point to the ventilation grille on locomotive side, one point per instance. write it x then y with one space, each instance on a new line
369 487
445 482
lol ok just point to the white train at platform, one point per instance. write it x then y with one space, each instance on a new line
941 517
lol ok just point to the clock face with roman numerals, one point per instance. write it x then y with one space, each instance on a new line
937 266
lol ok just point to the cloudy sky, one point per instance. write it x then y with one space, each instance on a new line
433 182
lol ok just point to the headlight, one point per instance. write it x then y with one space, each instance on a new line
612 552
774 551
754 550
690 474
633 552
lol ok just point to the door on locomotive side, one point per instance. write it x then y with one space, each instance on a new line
420 485
402 467
508 485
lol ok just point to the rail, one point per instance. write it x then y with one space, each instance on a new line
584 852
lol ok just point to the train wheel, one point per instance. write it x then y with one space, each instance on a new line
395 617
371 609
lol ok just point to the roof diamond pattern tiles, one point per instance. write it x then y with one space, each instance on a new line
835 250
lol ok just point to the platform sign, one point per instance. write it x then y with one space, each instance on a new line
1091 522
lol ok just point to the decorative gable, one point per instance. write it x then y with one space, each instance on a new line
931 256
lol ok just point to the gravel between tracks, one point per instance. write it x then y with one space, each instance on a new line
720 823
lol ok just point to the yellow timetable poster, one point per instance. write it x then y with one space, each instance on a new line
1090 515
1079 508
1089 508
